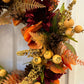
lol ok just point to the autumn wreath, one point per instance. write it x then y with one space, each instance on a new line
48 31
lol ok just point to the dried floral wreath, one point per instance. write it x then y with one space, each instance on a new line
47 34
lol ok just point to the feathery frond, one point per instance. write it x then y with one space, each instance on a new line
15 78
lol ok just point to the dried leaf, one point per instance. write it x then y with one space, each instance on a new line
38 38
32 4
71 38
22 6
54 69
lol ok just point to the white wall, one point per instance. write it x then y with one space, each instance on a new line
77 75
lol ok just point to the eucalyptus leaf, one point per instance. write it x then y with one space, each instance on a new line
69 46
55 21
71 38
42 77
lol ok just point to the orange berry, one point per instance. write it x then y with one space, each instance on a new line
78 29
69 23
6 1
69 32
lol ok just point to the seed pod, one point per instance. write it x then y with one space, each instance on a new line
48 54
78 29
69 23
36 60
2 72
57 59
69 32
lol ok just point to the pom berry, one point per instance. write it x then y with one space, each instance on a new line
69 23
78 29
69 32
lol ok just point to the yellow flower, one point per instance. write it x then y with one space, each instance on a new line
57 59
37 60
2 72
48 54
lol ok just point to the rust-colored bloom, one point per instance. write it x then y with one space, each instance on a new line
32 44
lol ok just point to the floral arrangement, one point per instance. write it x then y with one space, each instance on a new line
48 31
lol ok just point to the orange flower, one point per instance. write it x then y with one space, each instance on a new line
69 58
23 30
27 35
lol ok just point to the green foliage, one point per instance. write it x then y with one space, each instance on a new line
59 67
71 38
42 75
1 67
55 21
69 46
62 8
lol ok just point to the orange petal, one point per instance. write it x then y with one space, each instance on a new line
16 22
34 45
37 26
23 30
54 69
67 63
27 36
56 82
33 28
29 41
